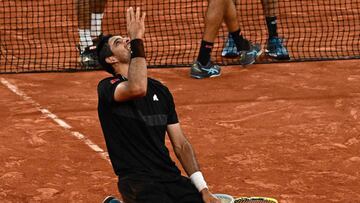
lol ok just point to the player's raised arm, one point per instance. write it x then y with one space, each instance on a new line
137 73
124 57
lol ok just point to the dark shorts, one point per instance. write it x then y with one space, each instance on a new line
180 191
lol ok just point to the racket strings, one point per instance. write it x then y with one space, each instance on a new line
253 201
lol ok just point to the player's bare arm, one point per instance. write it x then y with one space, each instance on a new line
185 153
137 73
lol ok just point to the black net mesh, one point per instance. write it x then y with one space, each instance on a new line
43 35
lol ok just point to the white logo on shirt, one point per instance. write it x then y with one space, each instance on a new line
155 98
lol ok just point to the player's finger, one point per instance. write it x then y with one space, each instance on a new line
138 13
131 12
143 17
128 16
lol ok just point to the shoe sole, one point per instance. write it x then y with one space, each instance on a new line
277 57
230 55
201 77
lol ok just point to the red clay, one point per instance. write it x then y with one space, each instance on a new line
289 131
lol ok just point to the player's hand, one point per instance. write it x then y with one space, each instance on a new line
208 197
135 23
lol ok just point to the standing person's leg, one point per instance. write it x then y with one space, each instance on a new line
232 24
270 8
84 16
97 8
275 47
86 46
203 68
213 19
236 44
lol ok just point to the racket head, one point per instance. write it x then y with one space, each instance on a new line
255 200
224 198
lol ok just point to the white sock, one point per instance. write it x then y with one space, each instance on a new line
96 20
85 38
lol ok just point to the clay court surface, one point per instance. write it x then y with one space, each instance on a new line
289 131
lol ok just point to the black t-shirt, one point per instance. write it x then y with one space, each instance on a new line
135 131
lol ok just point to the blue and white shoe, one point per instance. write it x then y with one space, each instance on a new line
249 56
230 50
246 57
111 199
276 49
199 71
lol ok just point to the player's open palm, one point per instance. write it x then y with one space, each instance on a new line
135 23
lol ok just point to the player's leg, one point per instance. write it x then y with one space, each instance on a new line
135 191
275 47
83 14
97 8
203 67
270 8
230 50
236 44
85 46
183 191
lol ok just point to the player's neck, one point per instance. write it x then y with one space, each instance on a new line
121 69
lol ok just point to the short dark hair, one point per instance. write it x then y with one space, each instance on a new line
103 51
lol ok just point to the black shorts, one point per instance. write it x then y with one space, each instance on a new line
180 191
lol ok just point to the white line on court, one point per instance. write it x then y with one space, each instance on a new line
56 119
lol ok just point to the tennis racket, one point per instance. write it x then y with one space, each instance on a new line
255 200
224 198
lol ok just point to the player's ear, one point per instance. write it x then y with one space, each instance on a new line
111 60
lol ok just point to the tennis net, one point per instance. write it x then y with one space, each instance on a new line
37 36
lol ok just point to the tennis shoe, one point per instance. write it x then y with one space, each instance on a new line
276 49
88 56
200 71
111 199
248 57
230 50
